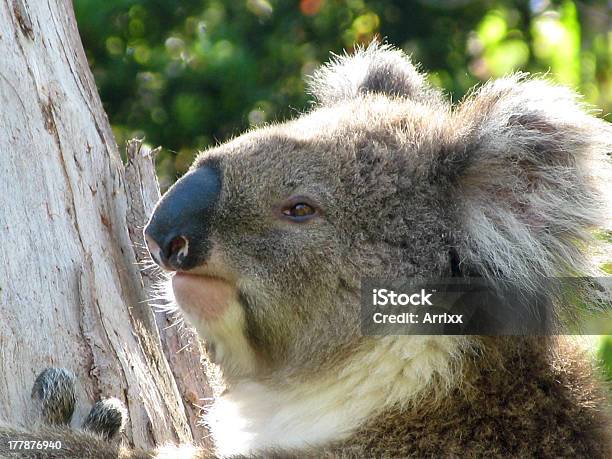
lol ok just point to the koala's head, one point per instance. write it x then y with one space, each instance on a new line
269 235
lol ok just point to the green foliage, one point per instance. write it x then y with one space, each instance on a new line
191 73
604 353
188 74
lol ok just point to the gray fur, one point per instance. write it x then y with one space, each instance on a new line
502 179
54 391
107 418
528 196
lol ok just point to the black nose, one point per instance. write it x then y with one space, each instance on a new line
177 234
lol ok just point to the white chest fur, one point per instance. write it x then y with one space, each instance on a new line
253 417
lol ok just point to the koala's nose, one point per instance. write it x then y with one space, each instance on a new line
177 234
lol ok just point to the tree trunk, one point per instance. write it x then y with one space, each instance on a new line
71 293
198 381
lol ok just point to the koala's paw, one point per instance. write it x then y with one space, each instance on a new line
107 418
54 390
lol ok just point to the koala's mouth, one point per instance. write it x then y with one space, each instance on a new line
203 297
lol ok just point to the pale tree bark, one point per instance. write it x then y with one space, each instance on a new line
71 292
197 385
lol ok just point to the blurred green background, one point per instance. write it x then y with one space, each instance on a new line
188 74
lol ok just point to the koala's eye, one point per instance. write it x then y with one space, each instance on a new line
298 210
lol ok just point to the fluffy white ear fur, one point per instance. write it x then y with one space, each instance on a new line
392 371
527 152
376 68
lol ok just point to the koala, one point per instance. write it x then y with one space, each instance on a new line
268 237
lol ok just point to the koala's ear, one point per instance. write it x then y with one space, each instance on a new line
379 68
527 160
